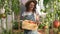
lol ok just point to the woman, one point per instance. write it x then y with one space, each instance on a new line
30 14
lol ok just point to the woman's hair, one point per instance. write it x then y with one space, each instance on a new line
28 3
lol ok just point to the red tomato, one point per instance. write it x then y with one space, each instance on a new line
56 23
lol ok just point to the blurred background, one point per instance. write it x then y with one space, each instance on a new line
11 10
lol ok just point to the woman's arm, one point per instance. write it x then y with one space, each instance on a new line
37 19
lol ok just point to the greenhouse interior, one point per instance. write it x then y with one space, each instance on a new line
11 11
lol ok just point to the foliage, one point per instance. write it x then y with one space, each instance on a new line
15 6
53 10
15 25
45 2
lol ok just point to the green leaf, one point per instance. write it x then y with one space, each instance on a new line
45 2
15 6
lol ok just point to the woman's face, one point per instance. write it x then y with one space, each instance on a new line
31 6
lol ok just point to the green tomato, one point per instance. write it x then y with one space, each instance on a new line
52 14
47 23
49 18
59 0
55 6
6 2
58 18
47 6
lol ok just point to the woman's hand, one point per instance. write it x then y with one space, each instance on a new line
37 18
